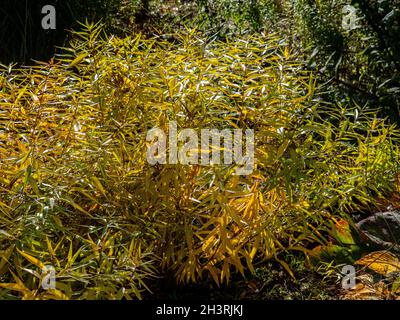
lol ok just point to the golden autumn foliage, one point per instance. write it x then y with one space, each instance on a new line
76 191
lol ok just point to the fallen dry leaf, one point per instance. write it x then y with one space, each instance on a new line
381 262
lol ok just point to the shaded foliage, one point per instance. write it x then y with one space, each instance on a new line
23 38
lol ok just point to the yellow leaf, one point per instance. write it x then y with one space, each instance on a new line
78 59
4 259
381 262
31 259
99 186
286 53
94 246
208 243
214 273
17 286
49 247
69 258
213 61
253 252
286 267
13 286
57 295
20 94
77 206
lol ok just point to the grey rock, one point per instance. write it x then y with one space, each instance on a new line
382 229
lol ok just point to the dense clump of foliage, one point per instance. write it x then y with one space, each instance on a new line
77 192
360 63
357 64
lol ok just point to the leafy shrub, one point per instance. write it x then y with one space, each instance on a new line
382 74
227 17
78 193
360 64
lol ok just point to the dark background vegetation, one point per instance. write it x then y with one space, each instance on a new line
22 37
361 65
